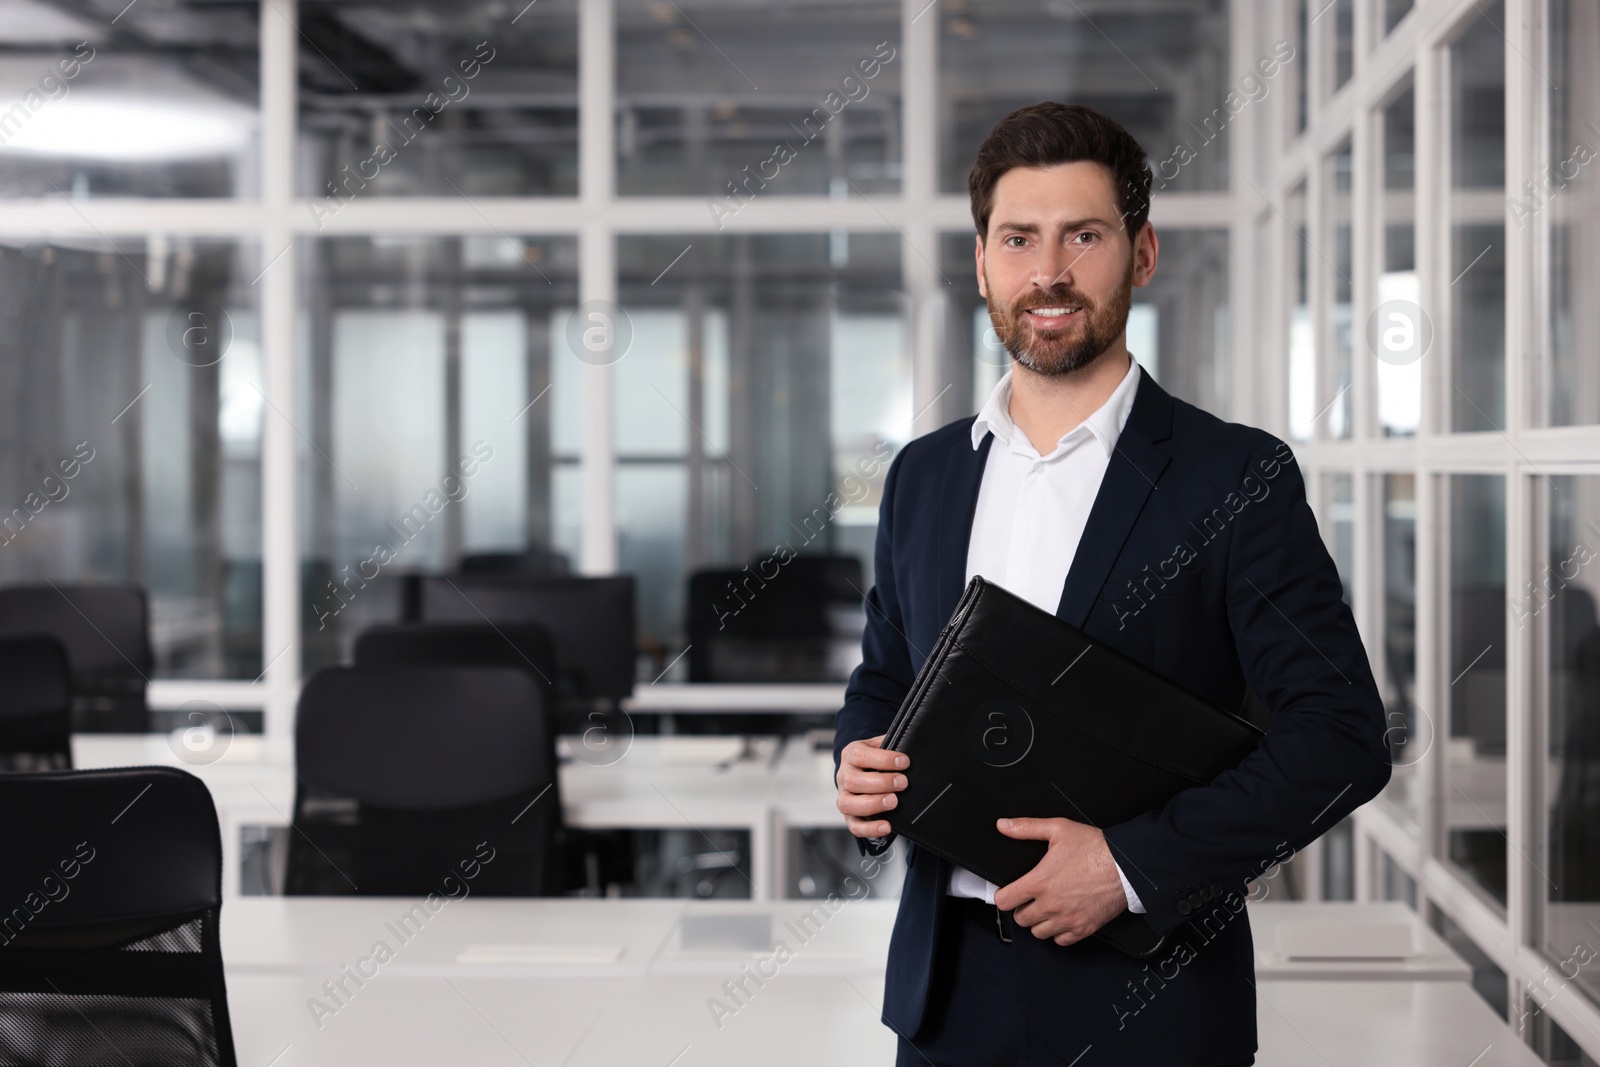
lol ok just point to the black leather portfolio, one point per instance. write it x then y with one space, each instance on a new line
1017 713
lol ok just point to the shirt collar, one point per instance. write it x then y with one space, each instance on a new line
1105 424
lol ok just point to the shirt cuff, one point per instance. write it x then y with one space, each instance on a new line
1127 888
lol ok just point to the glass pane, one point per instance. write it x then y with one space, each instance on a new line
1475 769
1338 403
1265 317
1571 206
427 416
732 101
1398 332
1340 528
1177 325
132 378
428 98
766 387
1488 980
1395 884
1166 79
1477 227
1344 38
1302 337
1557 1047
1409 730
164 103
1302 41
1393 12
1561 603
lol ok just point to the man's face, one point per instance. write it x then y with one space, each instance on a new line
1058 268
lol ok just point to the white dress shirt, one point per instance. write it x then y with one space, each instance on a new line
1030 517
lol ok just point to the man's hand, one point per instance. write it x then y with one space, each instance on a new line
1073 891
868 785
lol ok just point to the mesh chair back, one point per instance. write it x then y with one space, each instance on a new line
423 780
35 705
109 952
106 632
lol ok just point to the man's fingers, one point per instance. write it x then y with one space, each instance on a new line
866 827
867 804
1016 895
856 781
869 755
1028 829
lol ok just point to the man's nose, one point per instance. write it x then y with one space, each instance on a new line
1054 266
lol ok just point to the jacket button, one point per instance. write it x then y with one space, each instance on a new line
1183 907
1216 889
1194 900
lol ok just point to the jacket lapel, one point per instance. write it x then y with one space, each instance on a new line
958 502
1136 465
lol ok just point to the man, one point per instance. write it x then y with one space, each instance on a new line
1182 541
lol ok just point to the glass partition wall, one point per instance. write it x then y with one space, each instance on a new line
358 248
1429 211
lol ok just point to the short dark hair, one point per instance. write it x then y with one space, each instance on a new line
1042 135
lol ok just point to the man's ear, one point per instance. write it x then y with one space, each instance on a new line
978 252
1146 250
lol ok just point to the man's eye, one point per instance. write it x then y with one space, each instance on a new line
1091 236
1013 237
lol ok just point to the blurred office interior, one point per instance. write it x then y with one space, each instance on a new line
294 299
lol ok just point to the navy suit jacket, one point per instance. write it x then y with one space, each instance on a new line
1202 560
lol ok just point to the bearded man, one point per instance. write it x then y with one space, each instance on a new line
1184 542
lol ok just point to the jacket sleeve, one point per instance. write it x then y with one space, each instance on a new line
880 682
1324 754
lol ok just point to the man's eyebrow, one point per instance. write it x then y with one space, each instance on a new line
1033 227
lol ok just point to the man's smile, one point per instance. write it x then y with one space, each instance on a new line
1053 316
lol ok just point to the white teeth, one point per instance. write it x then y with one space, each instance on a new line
1053 312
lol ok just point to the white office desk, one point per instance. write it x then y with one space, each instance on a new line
1433 959
1373 1024
632 937
479 937
671 1020
580 1022
769 698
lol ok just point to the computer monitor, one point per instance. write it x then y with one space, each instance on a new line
590 621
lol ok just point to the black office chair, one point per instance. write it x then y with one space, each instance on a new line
743 627
799 623
35 705
522 645
106 632
109 950
423 780
590 620
533 562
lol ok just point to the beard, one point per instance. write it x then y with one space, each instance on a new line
1076 345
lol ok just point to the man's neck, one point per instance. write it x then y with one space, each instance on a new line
1047 407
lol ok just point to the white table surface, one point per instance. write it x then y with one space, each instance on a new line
667 1020
1434 960
553 937
635 937
582 1022
1370 1024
